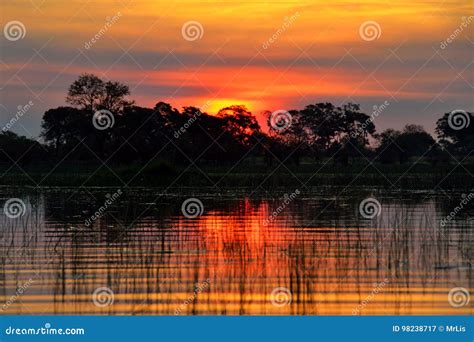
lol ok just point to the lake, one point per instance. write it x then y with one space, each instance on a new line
317 251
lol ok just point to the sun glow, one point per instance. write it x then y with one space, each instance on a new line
248 53
218 104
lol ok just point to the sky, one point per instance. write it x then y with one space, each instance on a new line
267 55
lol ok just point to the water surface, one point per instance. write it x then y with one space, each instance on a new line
317 256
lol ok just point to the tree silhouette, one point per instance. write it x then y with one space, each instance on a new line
240 123
15 149
413 141
63 127
90 93
140 135
460 140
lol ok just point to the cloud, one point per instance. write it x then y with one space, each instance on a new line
319 57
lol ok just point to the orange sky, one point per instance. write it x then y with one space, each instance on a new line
318 54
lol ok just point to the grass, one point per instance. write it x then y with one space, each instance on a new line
420 175
313 252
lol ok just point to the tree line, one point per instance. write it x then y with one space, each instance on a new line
100 124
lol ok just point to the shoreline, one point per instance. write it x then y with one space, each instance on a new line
195 179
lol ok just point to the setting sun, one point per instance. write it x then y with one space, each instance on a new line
267 56
216 105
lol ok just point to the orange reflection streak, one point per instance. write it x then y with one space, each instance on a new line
159 267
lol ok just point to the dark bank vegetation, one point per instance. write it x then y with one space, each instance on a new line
103 138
